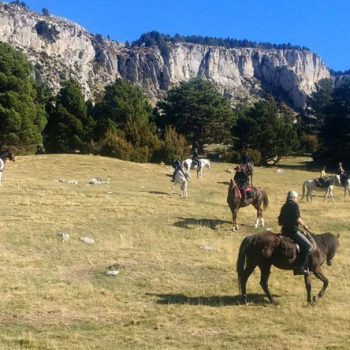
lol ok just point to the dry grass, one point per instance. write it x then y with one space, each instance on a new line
170 292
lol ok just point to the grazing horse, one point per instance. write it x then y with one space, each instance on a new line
4 155
181 178
190 164
345 183
256 197
267 249
309 186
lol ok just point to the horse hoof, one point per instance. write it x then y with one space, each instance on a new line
314 299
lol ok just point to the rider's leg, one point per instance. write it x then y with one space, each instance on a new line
305 249
244 193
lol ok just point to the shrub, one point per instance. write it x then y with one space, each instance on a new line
174 146
254 155
230 156
114 145
309 143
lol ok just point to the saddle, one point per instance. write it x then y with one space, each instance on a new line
289 248
321 183
248 192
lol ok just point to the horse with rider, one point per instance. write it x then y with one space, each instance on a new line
294 249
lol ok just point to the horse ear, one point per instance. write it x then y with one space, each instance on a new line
338 235
231 182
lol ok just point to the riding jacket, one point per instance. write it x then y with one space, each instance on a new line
241 179
288 218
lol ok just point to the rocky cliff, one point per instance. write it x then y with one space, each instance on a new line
60 49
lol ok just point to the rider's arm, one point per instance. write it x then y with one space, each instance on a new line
302 223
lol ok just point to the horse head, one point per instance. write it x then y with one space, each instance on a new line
8 154
332 248
206 163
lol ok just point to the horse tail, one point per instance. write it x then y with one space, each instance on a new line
241 260
265 199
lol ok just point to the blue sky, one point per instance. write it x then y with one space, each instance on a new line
321 25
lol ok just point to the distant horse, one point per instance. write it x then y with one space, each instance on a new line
181 179
267 249
345 183
257 198
4 155
309 186
190 164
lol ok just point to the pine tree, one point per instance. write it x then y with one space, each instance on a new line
198 111
69 126
22 117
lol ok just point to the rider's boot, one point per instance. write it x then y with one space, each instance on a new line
302 267
244 197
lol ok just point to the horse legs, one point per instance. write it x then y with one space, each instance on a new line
199 173
264 279
307 280
318 273
184 189
243 282
329 192
259 217
234 220
172 189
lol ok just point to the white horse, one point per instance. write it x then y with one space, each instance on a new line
309 186
190 164
3 157
346 185
181 178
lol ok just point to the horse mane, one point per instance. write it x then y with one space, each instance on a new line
327 242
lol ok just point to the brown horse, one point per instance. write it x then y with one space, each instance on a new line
267 249
257 198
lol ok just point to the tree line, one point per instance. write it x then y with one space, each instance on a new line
123 124
155 38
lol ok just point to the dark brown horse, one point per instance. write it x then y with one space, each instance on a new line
257 197
267 249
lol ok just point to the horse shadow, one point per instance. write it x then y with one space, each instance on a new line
224 183
158 192
213 301
188 223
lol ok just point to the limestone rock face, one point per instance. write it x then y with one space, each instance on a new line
60 49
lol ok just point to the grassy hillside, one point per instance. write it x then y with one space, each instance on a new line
177 285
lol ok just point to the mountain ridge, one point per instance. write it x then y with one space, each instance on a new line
61 49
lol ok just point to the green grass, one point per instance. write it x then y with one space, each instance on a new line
171 293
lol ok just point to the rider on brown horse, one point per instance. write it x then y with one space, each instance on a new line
242 181
289 219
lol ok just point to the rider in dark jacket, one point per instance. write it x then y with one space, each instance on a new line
195 154
290 219
242 181
177 165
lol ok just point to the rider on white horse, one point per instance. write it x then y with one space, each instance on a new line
195 155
